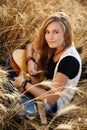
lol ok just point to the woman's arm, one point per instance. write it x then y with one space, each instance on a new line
53 95
31 65
59 84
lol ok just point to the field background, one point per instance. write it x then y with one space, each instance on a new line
19 22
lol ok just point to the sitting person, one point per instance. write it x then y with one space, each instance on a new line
59 61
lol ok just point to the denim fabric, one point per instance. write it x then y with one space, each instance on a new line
51 108
29 107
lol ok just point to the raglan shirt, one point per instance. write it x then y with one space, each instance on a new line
69 64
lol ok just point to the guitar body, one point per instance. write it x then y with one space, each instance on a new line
17 61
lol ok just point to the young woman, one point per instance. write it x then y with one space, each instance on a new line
60 62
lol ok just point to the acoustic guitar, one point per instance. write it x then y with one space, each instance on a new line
17 61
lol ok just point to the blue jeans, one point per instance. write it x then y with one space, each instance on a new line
29 106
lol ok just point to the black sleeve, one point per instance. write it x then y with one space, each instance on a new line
69 66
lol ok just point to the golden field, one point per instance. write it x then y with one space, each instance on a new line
19 23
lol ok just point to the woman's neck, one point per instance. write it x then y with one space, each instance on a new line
59 50
58 53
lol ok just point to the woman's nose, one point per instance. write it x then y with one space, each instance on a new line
50 36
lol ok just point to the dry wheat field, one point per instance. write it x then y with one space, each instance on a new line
19 23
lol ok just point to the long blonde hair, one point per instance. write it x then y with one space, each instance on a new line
44 50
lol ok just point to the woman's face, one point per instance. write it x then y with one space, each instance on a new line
54 35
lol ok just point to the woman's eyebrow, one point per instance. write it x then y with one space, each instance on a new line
55 29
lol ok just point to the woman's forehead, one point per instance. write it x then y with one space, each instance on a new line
55 25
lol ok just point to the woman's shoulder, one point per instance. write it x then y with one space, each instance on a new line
69 66
72 51
69 60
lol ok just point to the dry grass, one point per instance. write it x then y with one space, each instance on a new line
72 117
19 22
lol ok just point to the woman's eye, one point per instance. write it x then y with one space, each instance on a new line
56 32
47 32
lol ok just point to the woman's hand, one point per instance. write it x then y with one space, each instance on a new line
18 82
32 67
